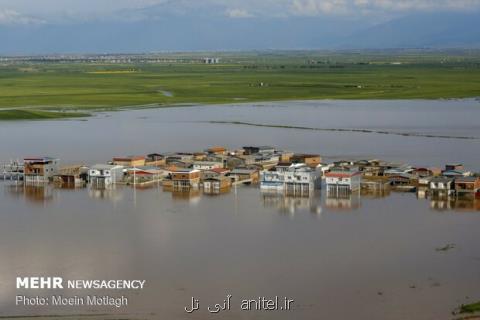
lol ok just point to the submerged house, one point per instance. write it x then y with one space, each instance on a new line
261 149
155 159
442 186
467 185
216 180
185 179
341 180
105 174
403 181
144 175
129 161
215 184
217 150
311 160
71 176
41 169
207 165
244 174
293 178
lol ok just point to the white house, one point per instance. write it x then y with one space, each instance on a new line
295 178
442 186
105 174
343 179
207 165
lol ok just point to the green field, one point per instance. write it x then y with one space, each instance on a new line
239 78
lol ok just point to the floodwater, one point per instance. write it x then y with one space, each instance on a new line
364 257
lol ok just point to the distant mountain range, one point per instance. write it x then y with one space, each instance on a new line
156 29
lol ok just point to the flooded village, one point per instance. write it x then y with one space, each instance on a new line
281 176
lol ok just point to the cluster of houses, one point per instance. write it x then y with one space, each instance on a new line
216 170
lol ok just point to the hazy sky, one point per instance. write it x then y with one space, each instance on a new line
42 11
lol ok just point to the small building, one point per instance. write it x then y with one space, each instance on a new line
185 179
216 184
40 170
454 167
455 173
311 160
261 149
144 175
442 186
155 160
180 157
343 180
129 161
210 60
101 175
71 176
214 173
217 150
207 165
244 174
292 179
467 185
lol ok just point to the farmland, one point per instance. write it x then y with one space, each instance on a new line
87 87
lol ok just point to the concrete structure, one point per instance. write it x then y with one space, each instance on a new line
292 179
216 184
129 161
101 175
442 186
311 160
261 149
144 175
185 179
343 180
71 176
244 174
40 170
207 165
217 150
210 60
467 185
155 159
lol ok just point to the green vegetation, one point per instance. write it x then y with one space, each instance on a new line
470 308
239 78
37 114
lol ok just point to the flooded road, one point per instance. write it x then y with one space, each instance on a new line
363 257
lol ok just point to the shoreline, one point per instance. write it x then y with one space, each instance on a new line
36 113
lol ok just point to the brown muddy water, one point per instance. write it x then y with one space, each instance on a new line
367 257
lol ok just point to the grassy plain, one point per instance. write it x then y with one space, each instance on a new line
239 78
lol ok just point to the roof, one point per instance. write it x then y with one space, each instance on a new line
129 158
219 170
467 179
216 149
453 173
338 174
305 155
243 171
39 159
441 179
105 167
182 170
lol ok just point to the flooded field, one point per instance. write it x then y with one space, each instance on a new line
368 256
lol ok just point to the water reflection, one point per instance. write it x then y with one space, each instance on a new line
290 204
467 203
343 201
40 193
284 202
